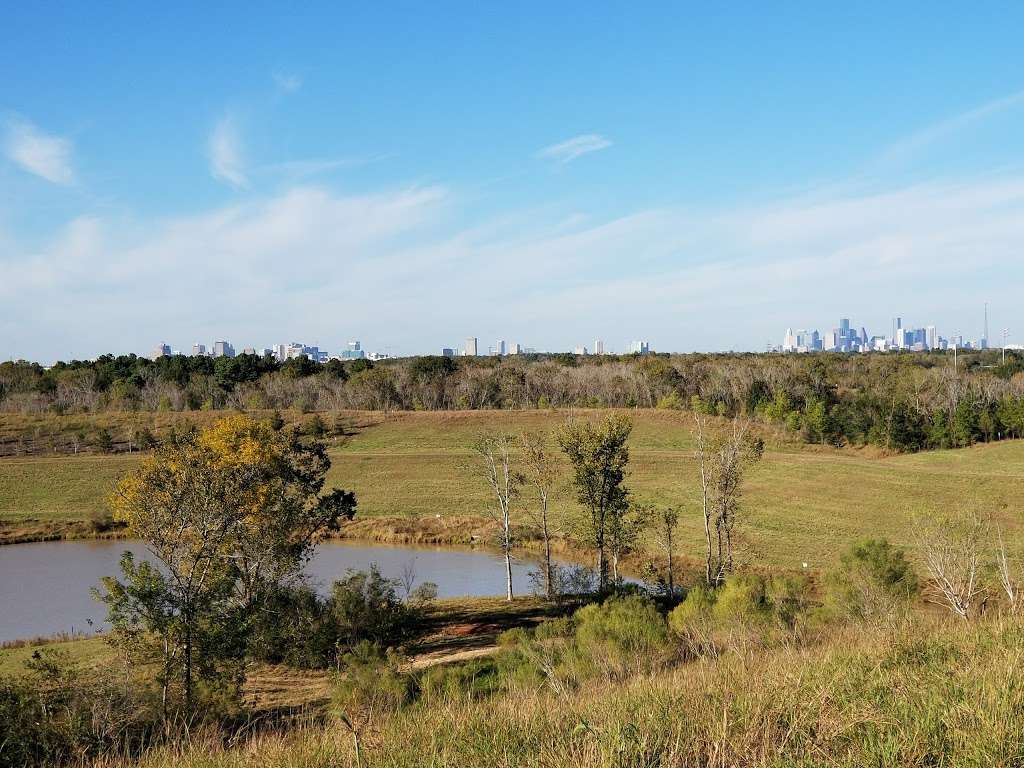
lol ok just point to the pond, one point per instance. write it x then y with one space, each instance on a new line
45 587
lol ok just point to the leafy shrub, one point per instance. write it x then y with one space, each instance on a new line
144 439
423 594
276 421
28 736
670 402
314 426
57 714
471 680
743 600
873 580
790 599
621 634
561 627
694 612
296 628
102 440
365 606
371 684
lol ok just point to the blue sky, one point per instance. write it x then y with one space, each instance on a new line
412 174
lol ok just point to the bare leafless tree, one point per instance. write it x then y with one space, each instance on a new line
666 519
623 534
408 578
953 551
495 451
541 474
722 459
1008 578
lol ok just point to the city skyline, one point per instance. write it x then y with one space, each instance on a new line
844 337
678 176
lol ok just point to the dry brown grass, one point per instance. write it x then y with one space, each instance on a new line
930 694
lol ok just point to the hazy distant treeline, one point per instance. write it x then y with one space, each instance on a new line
900 401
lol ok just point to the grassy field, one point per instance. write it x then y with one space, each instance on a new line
803 503
918 696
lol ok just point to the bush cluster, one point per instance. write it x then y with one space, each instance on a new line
304 630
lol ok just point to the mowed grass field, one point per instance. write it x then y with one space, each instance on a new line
802 503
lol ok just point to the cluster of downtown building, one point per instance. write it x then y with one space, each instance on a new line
846 338
280 352
501 348
354 350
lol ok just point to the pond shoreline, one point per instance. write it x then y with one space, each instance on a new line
440 530
49 587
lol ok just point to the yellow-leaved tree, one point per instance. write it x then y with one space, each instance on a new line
228 513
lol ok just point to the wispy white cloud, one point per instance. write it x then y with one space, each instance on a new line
920 140
301 170
712 278
567 151
287 83
48 157
225 153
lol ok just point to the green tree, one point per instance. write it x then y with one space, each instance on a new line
299 367
598 455
229 514
964 429
815 421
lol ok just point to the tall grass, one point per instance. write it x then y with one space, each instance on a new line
928 694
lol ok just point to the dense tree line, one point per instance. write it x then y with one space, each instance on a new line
902 402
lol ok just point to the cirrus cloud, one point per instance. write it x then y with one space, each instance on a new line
225 153
43 155
569 150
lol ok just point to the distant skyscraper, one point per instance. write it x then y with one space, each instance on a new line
199 350
447 352
470 349
353 351
932 337
598 347
161 350
844 328
580 350
640 347
223 349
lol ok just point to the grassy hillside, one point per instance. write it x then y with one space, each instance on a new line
921 696
803 503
